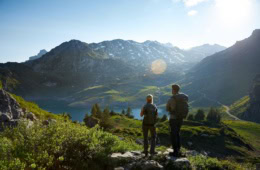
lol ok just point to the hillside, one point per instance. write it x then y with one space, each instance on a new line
62 143
227 75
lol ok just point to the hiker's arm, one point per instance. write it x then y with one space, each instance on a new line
168 109
142 112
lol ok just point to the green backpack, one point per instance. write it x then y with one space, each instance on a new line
182 105
150 113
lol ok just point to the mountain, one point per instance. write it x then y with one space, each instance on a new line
117 72
226 76
40 54
200 52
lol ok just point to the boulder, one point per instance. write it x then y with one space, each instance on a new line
178 163
31 116
5 117
10 110
48 122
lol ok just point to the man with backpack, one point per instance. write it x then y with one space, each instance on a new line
178 108
150 113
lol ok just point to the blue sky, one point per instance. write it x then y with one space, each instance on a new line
27 26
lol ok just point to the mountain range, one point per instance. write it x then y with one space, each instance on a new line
119 73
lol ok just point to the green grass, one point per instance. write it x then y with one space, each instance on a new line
220 139
35 109
239 106
1 85
248 130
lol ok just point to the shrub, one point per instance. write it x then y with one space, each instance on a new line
213 116
200 115
202 162
62 145
190 117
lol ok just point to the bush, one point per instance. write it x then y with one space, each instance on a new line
200 115
190 117
202 162
62 145
213 116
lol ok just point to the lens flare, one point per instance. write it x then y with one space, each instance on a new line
158 66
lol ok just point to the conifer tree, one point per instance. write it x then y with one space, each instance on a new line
200 115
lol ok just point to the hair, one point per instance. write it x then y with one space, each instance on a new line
176 87
149 98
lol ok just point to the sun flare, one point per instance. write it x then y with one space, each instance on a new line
158 66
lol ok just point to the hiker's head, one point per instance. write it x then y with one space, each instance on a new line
149 98
175 89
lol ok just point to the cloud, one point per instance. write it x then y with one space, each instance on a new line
190 3
192 13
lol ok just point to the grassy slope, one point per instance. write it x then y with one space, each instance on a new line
34 108
224 139
248 130
239 106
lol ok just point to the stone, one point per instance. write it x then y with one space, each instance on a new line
179 163
31 116
151 164
119 168
139 141
5 117
191 153
48 122
204 135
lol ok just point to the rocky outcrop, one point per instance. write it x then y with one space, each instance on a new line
11 112
137 160
253 111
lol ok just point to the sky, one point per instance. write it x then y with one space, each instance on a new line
27 26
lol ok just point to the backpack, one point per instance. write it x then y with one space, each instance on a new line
182 105
150 112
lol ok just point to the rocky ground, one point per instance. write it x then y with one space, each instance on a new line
134 160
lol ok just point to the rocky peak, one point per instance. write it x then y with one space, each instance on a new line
256 33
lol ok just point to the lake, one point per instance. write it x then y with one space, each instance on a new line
78 114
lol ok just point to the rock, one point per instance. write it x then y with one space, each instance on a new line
10 110
91 121
179 163
9 105
139 141
31 116
169 150
5 117
48 122
151 164
119 168
204 135
191 153
132 160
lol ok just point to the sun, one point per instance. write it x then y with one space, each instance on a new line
233 12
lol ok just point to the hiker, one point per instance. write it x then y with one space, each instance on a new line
178 108
150 113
